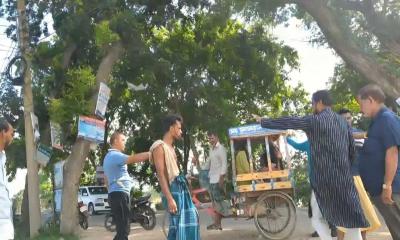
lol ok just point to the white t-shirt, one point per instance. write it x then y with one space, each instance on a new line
218 163
6 222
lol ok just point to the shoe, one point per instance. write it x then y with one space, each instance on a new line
314 234
214 227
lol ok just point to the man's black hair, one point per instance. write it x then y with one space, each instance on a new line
114 136
170 120
4 124
323 96
373 91
343 111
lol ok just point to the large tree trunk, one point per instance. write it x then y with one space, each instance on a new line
337 38
72 172
75 162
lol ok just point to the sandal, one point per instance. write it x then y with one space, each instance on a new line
214 227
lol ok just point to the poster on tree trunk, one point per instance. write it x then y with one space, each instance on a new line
102 100
35 127
58 199
43 154
55 134
91 129
58 175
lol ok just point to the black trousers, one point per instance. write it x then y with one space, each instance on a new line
391 214
120 208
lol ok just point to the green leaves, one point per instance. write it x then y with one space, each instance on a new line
76 97
104 36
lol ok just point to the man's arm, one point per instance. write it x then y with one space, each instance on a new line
224 166
5 201
391 142
352 145
139 157
159 162
302 123
391 162
359 135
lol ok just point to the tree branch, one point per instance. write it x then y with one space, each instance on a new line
351 5
377 23
68 54
105 68
370 69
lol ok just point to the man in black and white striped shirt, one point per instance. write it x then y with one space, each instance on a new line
334 197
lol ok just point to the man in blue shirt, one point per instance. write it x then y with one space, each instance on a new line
366 204
379 157
119 182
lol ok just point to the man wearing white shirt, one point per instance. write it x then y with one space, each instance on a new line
218 167
6 222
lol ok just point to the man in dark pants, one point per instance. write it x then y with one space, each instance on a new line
379 157
119 182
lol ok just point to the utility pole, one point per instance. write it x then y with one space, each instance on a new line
33 177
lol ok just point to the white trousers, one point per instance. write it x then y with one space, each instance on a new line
321 225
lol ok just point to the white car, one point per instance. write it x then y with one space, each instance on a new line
95 198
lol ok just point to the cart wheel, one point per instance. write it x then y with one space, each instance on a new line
275 215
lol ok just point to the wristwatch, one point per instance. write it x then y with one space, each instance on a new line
384 186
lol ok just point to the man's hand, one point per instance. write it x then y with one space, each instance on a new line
291 133
138 157
221 181
386 196
256 117
172 208
194 160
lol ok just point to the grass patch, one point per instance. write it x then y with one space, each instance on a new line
50 233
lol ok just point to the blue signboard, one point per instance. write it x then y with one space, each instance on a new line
91 129
252 130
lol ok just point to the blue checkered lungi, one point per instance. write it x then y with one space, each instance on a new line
185 223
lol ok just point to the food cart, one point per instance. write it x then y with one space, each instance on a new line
265 192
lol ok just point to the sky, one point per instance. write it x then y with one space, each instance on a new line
316 63
316 66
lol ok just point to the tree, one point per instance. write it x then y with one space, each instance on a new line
214 73
362 32
86 47
196 60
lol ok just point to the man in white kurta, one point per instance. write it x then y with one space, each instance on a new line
6 221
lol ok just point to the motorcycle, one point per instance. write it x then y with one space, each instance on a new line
83 215
140 212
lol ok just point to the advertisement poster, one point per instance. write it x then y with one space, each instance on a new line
43 154
55 132
58 199
252 129
58 174
91 129
35 127
102 100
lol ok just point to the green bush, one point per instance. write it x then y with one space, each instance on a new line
301 180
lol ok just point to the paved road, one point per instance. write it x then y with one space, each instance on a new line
239 229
